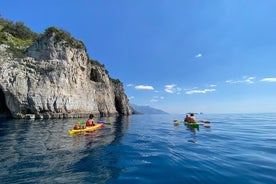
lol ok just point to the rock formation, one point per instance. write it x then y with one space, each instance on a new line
56 79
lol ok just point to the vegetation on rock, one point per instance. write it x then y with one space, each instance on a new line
95 62
17 36
61 35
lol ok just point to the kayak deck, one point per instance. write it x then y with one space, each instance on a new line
194 125
86 129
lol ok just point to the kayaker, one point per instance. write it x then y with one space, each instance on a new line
192 118
90 121
187 118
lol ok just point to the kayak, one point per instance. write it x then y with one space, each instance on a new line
194 125
86 129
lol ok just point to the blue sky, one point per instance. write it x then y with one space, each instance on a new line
210 56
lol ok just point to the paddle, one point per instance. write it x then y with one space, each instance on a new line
101 121
207 122
202 122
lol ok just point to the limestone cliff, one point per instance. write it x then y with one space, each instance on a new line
56 79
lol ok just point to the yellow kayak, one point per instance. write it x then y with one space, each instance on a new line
86 129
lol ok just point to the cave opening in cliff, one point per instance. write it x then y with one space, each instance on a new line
94 75
118 106
4 110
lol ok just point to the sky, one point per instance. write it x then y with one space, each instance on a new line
180 56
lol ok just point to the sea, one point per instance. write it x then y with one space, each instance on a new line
146 149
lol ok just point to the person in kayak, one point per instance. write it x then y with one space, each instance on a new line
90 121
192 118
187 118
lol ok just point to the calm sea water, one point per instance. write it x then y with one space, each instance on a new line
234 148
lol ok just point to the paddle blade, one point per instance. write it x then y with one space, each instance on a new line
208 122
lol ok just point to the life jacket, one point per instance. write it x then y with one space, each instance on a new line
89 123
187 119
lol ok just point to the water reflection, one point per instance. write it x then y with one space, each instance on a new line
102 151
195 130
41 151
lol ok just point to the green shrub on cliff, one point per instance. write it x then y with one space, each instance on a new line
61 35
18 30
95 62
17 36
116 81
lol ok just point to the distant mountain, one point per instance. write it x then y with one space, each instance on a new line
137 109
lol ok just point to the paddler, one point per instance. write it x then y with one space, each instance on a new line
192 118
90 121
187 118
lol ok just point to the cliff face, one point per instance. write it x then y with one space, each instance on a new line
56 79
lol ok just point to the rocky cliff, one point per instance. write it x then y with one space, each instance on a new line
54 78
